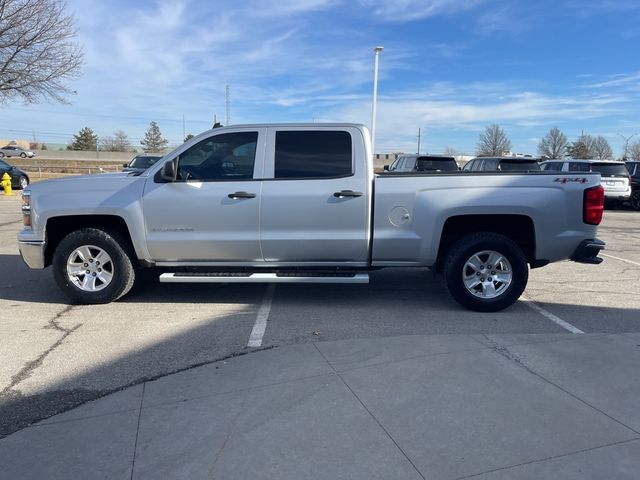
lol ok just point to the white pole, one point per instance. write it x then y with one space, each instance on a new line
376 51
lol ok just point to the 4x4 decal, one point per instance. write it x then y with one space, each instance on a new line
572 180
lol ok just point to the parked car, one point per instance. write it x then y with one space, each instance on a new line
14 151
140 163
302 204
19 179
423 163
502 164
634 171
615 176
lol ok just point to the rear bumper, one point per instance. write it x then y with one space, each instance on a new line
621 195
32 253
587 252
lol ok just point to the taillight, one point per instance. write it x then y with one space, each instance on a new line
593 205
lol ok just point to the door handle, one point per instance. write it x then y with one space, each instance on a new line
236 195
347 193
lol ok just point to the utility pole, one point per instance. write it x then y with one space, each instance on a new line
626 144
184 133
418 140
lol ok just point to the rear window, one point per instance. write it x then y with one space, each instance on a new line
313 154
519 166
609 170
436 164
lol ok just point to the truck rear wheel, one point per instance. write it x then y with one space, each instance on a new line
486 272
92 266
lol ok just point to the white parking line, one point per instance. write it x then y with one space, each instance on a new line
557 320
255 339
621 259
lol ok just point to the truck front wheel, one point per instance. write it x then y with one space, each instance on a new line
92 266
486 272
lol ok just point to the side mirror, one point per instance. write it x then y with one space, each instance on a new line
125 165
169 170
386 168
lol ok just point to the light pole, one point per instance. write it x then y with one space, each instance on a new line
626 144
376 52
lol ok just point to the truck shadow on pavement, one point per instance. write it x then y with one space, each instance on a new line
142 337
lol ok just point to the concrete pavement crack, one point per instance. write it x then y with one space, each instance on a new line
546 459
9 223
375 419
28 368
504 351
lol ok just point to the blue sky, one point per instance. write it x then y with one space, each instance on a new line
449 67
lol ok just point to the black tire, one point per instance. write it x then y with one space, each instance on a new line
1 154
635 200
122 268
23 155
455 269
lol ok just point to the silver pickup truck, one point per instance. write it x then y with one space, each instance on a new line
301 203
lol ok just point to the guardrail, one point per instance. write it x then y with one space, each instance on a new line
63 169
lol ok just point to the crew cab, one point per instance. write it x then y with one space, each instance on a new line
301 203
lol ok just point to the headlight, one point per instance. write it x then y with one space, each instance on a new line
26 208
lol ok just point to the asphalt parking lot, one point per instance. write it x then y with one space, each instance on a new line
56 356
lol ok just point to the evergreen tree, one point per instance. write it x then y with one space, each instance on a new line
578 150
85 139
153 140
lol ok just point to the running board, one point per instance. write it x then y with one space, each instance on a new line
228 277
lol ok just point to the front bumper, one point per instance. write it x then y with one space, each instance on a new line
587 252
32 253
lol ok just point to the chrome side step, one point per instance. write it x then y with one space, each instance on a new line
227 277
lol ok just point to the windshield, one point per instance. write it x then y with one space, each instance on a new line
433 164
609 170
519 166
143 161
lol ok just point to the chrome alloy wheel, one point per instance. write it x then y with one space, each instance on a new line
23 183
487 274
90 268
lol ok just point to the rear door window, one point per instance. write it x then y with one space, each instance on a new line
579 167
436 164
313 154
519 166
552 167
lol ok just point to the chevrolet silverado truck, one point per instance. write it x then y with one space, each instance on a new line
301 203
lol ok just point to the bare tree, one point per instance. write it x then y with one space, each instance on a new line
493 142
118 143
601 149
554 144
633 152
37 51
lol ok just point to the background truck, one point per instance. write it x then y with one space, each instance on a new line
300 203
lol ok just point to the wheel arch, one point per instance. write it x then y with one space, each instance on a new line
59 227
519 228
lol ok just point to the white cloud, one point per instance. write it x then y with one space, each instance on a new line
628 79
400 117
407 10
